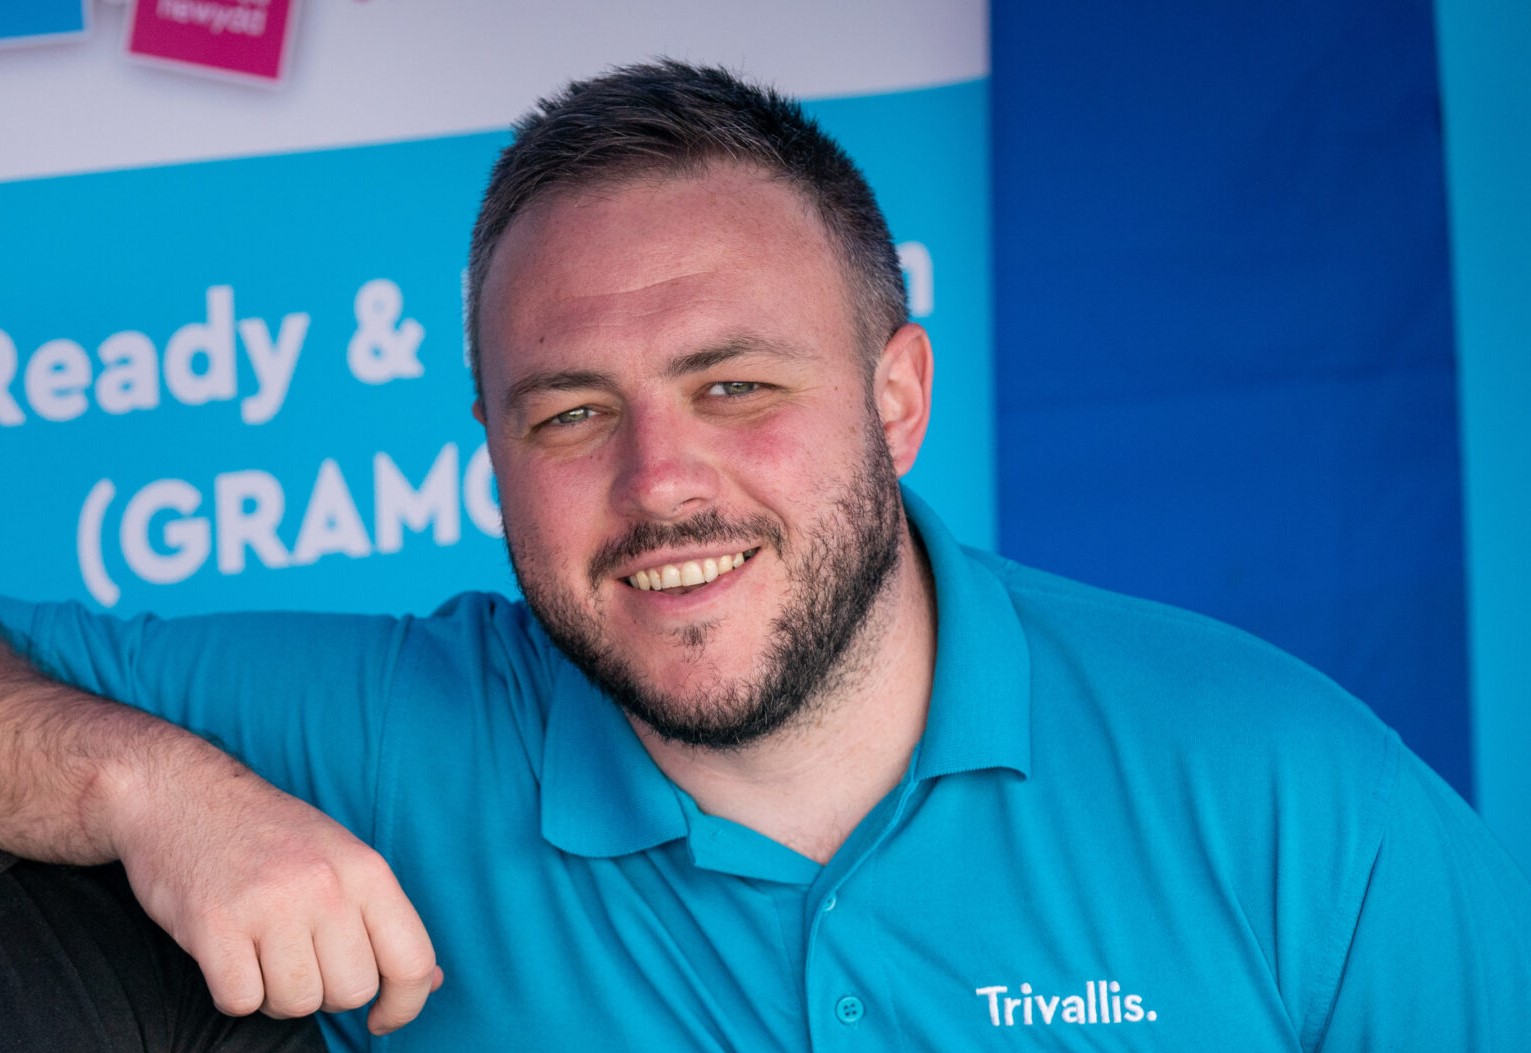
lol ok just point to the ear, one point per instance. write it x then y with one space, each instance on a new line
902 391
478 412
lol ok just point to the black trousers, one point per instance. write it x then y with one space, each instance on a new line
83 968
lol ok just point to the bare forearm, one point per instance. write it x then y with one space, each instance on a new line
74 766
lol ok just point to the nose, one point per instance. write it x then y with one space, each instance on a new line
665 470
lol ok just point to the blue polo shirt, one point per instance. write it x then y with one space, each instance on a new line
1126 827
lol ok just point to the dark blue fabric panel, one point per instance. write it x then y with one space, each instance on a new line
1225 369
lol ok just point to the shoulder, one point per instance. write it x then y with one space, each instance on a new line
1241 770
1175 677
481 633
1226 747
479 665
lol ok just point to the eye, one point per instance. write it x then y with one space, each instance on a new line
577 415
733 388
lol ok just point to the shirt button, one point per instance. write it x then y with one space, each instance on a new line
849 1009
829 903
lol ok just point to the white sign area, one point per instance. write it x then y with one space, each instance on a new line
363 72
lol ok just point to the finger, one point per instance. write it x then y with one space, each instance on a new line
347 966
406 964
233 974
290 969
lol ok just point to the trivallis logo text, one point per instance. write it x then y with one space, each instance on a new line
1102 1003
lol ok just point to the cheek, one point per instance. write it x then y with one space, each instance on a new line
552 513
534 521
799 455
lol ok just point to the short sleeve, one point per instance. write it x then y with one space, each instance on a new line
301 698
1441 950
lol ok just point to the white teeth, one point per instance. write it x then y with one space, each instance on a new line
691 572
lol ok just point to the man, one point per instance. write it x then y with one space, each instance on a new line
859 786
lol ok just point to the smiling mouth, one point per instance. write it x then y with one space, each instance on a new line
691 573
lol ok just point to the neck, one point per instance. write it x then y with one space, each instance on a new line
809 784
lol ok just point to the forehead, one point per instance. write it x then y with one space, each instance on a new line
662 260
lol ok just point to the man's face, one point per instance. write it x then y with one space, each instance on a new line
697 494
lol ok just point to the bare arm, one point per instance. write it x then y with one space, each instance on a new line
283 908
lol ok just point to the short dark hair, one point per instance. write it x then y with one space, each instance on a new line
674 118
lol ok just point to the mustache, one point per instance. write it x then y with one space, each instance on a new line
709 527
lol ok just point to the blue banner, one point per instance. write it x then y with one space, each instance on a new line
1225 367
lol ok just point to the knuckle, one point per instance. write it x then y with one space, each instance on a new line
413 968
302 1003
233 982
390 1016
296 998
333 879
314 882
236 1003
349 995
415 975
371 868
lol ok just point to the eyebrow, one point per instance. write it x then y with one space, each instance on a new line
683 365
557 380
737 347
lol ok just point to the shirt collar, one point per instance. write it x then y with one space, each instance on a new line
603 795
980 703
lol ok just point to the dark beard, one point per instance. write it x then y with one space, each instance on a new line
846 564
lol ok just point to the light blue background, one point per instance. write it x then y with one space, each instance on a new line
20 19
88 256
1486 82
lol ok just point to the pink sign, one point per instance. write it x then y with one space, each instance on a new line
247 38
